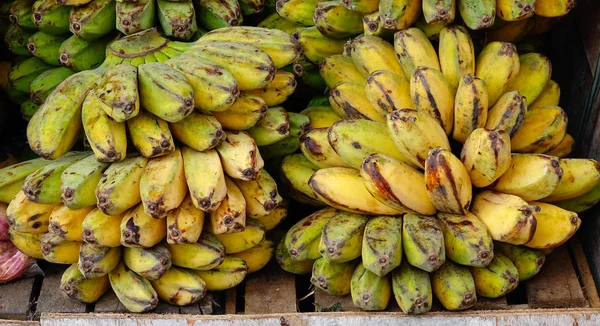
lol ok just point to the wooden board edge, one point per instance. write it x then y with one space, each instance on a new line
587 280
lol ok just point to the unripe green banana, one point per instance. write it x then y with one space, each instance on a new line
15 39
332 278
184 224
454 286
527 261
58 250
382 244
41 87
247 110
467 240
302 240
431 93
315 146
214 14
439 11
316 46
486 156
508 113
298 11
362 6
119 188
78 54
542 130
240 156
274 127
423 242
388 91
133 291
93 20
205 178
251 67
78 287
54 129
150 135
341 239
21 13
284 260
13 176
230 216
43 186
369 291
215 89
372 53
79 181
227 275
46 47
448 183
296 171
336 21
477 14
261 195
412 289
251 7
150 263
96 261
165 92
399 14
101 229
470 107
140 230
118 91
498 278
23 73
180 287
498 66
205 254
413 50
25 216
177 18
28 109
107 137
133 17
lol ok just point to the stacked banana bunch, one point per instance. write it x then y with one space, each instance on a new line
404 217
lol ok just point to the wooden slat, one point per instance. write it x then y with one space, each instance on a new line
325 300
231 301
271 290
165 308
109 303
585 274
192 309
556 286
206 304
490 304
51 298
587 13
14 299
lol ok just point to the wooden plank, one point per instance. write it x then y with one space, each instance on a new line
324 300
206 304
192 309
271 290
556 286
51 298
14 299
165 308
587 13
109 303
19 323
231 301
585 274
490 304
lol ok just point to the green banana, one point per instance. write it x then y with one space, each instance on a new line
118 92
119 189
41 87
467 240
107 137
50 17
23 73
369 291
496 279
13 176
214 14
150 263
28 109
342 236
251 7
423 242
21 13
412 289
78 54
382 244
177 18
79 181
302 241
578 204
336 21
46 47
332 278
274 21
273 127
205 254
93 20
133 291
150 135
15 39
528 261
316 46
76 286
285 261
439 11
96 261
133 17
340 68
454 286
399 14
478 14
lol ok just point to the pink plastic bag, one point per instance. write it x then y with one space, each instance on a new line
3 223
13 263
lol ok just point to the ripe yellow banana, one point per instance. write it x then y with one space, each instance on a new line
564 148
470 107
431 93
486 156
118 92
578 177
25 216
140 230
227 275
467 239
303 238
547 8
261 195
412 289
315 146
133 291
349 100
205 178
527 261
198 131
28 243
457 55
119 188
100 229
79 181
162 185
96 261
257 257
106 136
369 291
554 226
508 113
388 91
275 217
207 253
66 222
150 135
246 112
284 260
499 278
448 183
371 53
386 179
413 50
431 30
534 74
296 171
58 250
498 66
317 46
382 244
340 68
179 287
252 235
511 32
278 90
185 223
341 238
454 286
78 287
321 116
530 176
230 216
240 156
13 176
423 242
542 130
512 10
332 278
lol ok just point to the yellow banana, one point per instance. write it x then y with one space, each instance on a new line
27 243
341 239
454 286
162 185
486 156
315 146
527 261
371 53
205 178
179 287
257 257
230 216
240 156
362 6
133 291
530 176
431 93
382 244
413 50
261 195
498 66
150 135
227 275
66 222
388 91
207 253
332 278
118 92
246 112
296 171
350 101
184 224
511 32
278 90
198 131
412 289
303 238
431 30
470 107
499 278
369 291
467 240
340 68
282 256
252 235
25 216
76 286
534 73
321 116
79 181
564 148
547 8
96 261
275 217
542 130
316 46
423 242
578 177
58 250
140 230
106 136
457 55
508 113
448 183
100 229
554 226
512 10
119 188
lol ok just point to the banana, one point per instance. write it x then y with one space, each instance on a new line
470 107
53 130
284 260
240 156
261 195
477 14
498 66
372 25
412 289
227 275
118 91
204 254
508 218
251 67
180 287
302 241
512 10
298 11
336 21
184 224
27 243
15 39
413 50
388 91
150 263
579 177
340 68
119 189
369 291
252 235
140 230
332 278
527 261
230 216
133 291
371 53
25 216
563 149
177 18
316 148
431 93
251 7
41 87
214 14
341 238
96 261
542 130
274 127
431 30
28 109
77 286
150 135
384 178
546 8
321 116
278 90
101 229
581 203
58 250
162 185
21 13
513 32
486 156
439 11
133 17
349 100
362 6
415 133
499 278
66 222
382 244
257 257
93 20
78 54
275 217
244 114
454 286
205 178
296 171
508 113
554 226
107 137
530 176
46 47
457 55
274 21
447 181
23 73
423 242
466 238
399 14
317 46
43 185
534 74
165 92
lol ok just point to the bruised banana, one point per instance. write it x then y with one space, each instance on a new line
508 113
477 14
315 146
261 195
133 291
382 244
150 135
511 10
534 73
185 223
486 156
284 260
303 239
457 55
244 114
180 287
66 222
101 229
388 91
20 13
399 14
25 216
369 291
205 178
96 261
332 278
447 181
413 49
28 243
527 261
372 53
423 242
80 288
119 188
412 289
341 239
466 239
296 171
162 185
497 279
317 46
207 253
470 107
554 226
227 275
133 17
140 230
278 90
118 91
13 176
454 286
257 257
58 250
79 181
542 130
252 235
498 66
150 263
334 20
240 156
230 216
350 101
439 11
431 93
340 68
177 18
